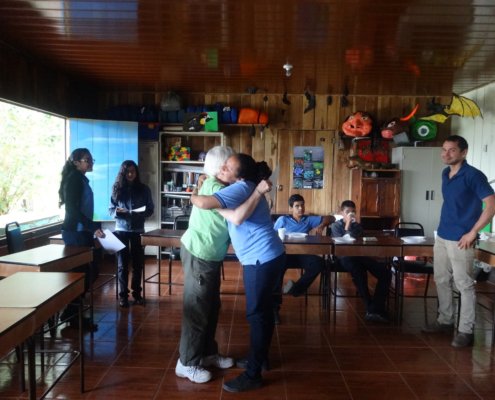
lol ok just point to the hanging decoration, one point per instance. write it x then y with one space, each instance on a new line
358 124
459 105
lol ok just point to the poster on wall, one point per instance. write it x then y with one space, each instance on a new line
308 167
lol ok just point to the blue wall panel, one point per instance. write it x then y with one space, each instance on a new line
110 143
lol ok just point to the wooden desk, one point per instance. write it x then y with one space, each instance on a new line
387 247
16 326
319 245
305 245
56 239
423 249
485 251
384 246
162 238
49 258
46 294
171 238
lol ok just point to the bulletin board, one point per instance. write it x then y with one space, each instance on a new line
307 172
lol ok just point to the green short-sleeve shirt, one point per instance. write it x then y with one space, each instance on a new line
207 236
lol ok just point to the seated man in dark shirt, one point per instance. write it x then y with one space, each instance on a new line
359 266
311 264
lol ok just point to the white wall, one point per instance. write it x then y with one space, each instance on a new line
480 132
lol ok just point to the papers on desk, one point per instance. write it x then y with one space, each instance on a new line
344 239
297 235
110 242
413 239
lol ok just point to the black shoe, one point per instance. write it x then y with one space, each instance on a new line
242 384
276 317
463 340
124 302
70 313
375 317
138 300
243 363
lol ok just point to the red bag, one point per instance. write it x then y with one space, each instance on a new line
380 154
252 116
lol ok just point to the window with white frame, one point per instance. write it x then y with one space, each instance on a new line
32 154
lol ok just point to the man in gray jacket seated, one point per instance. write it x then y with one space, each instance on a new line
359 266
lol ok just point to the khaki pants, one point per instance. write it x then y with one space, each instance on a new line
453 266
201 307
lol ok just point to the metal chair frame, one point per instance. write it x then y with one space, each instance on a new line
400 267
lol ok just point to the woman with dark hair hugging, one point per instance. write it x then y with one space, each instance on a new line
258 248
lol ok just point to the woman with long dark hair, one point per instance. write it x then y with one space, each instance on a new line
78 228
260 251
131 204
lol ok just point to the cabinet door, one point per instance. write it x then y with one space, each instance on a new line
421 179
388 198
148 169
436 198
370 194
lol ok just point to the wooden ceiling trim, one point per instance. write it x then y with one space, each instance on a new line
404 47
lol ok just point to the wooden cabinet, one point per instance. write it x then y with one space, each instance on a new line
179 176
148 170
377 197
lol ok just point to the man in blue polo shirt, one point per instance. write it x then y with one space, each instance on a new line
464 190
312 265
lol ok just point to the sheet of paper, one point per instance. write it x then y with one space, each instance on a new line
110 242
140 209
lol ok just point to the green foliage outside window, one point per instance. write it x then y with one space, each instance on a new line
32 154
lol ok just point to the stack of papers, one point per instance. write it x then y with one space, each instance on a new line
343 239
110 242
413 239
297 235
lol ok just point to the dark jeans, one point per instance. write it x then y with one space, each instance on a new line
260 282
312 266
91 271
133 248
201 306
73 238
359 267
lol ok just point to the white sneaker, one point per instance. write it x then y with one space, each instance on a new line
288 286
216 360
196 373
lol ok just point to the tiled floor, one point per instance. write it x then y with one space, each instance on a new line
134 352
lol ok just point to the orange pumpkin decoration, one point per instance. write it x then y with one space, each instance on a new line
358 124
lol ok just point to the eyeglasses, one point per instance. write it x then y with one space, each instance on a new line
88 160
